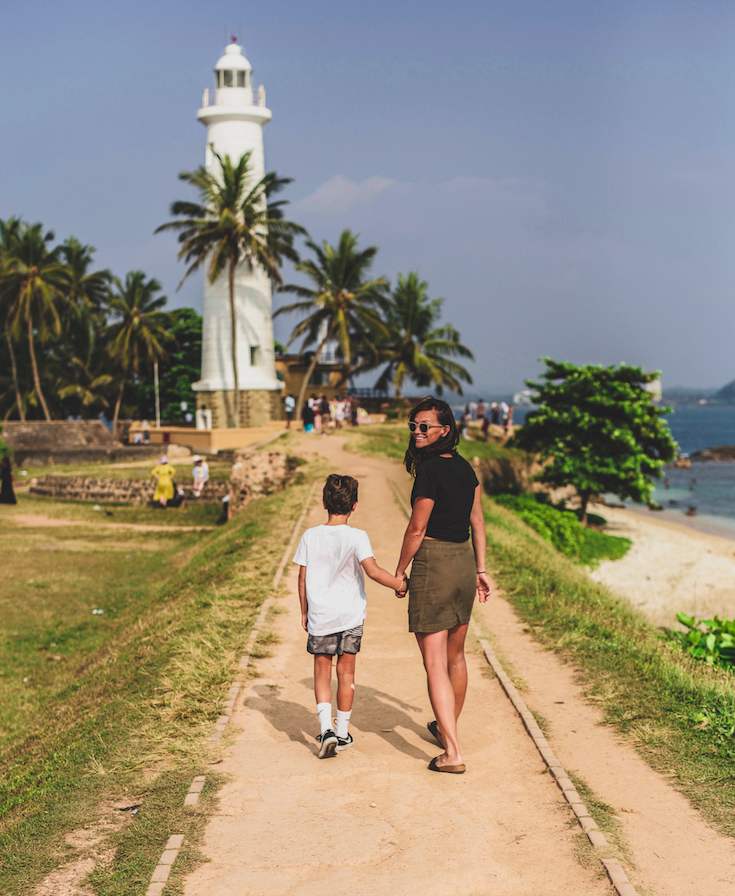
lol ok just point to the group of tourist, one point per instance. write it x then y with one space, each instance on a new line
168 493
445 543
493 414
321 414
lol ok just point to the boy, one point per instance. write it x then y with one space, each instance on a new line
332 558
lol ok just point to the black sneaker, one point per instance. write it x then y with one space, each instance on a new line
344 742
327 744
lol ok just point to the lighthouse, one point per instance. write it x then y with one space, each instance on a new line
234 116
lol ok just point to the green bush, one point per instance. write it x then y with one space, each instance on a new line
709 640
562 529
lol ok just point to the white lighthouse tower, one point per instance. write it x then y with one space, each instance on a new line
235 126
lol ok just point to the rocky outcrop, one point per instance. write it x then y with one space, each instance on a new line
722 453
256 473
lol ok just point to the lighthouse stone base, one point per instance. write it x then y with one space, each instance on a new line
258 407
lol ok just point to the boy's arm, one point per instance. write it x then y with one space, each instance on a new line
302 599
382 576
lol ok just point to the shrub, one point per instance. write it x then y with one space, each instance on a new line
562 529
709 640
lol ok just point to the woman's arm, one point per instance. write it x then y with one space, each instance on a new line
477 524
415 532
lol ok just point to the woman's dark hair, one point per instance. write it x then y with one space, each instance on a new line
340 494
447 444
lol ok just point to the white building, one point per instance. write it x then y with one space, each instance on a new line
234 116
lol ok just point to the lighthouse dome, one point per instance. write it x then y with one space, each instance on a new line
233 60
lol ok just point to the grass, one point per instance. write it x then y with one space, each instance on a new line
120 703
645 686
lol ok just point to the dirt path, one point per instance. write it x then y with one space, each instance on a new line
374 820
43 520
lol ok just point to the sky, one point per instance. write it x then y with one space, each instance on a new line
561 172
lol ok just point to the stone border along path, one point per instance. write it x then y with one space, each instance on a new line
175 841
615 872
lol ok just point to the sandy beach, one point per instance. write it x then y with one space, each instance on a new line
671 567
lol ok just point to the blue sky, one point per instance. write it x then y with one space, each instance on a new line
561 172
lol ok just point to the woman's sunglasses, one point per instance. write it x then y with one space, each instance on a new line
424 427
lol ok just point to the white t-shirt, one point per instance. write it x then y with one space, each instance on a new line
335 584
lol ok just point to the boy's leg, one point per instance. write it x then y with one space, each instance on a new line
345 681
323 678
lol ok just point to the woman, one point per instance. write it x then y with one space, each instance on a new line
200 475
7 495
164 474
446 571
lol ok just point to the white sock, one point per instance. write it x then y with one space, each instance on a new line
325 715
343 719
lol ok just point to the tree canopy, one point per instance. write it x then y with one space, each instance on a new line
597 429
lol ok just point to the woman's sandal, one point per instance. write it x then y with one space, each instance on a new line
450 769
435 733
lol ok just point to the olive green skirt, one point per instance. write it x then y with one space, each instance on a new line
443 586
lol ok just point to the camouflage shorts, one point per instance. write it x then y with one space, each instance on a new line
336 644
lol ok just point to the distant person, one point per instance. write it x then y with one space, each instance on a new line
307 417
339 414
290 403
137 437
354 408
495 414
509 420
326 412
480 411
7 493
464 422
179 498
692 511
164 474
316 406
200 475
331 560
146 427
485 426
667 484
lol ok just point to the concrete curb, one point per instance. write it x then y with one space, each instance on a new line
175 841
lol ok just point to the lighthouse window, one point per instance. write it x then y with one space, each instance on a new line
241 79
255 356
228 76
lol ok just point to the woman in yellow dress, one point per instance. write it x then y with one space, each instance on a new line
164 474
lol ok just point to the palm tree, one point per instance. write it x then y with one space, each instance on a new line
85 287
137 339
37 281
233 224
417 348
343 306
9 231
82 362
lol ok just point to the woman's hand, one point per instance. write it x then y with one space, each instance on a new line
484 587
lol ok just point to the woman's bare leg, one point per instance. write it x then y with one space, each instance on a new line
457 666
434 650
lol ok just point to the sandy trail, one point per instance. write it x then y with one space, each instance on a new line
373 820
43 520
670 567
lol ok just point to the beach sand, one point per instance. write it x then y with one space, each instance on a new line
671 567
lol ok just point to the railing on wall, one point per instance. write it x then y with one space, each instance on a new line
258 96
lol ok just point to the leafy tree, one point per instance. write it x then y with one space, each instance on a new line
138 338
37 282
343 305
233 223
85 287
81 363
417 348
598 430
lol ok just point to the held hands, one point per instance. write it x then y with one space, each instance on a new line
484 588
402 584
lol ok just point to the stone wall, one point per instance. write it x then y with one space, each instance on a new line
257 407
113 491
256 473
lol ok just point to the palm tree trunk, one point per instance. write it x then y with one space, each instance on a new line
116 415
36 378
233 323
310 371
18 399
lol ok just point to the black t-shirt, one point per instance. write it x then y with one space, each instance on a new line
450 482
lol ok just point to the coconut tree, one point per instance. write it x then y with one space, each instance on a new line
342 305
81 362
37 281
233 223
138 337
85 287
417 348
9 231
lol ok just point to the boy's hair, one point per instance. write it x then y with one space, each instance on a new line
340 494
